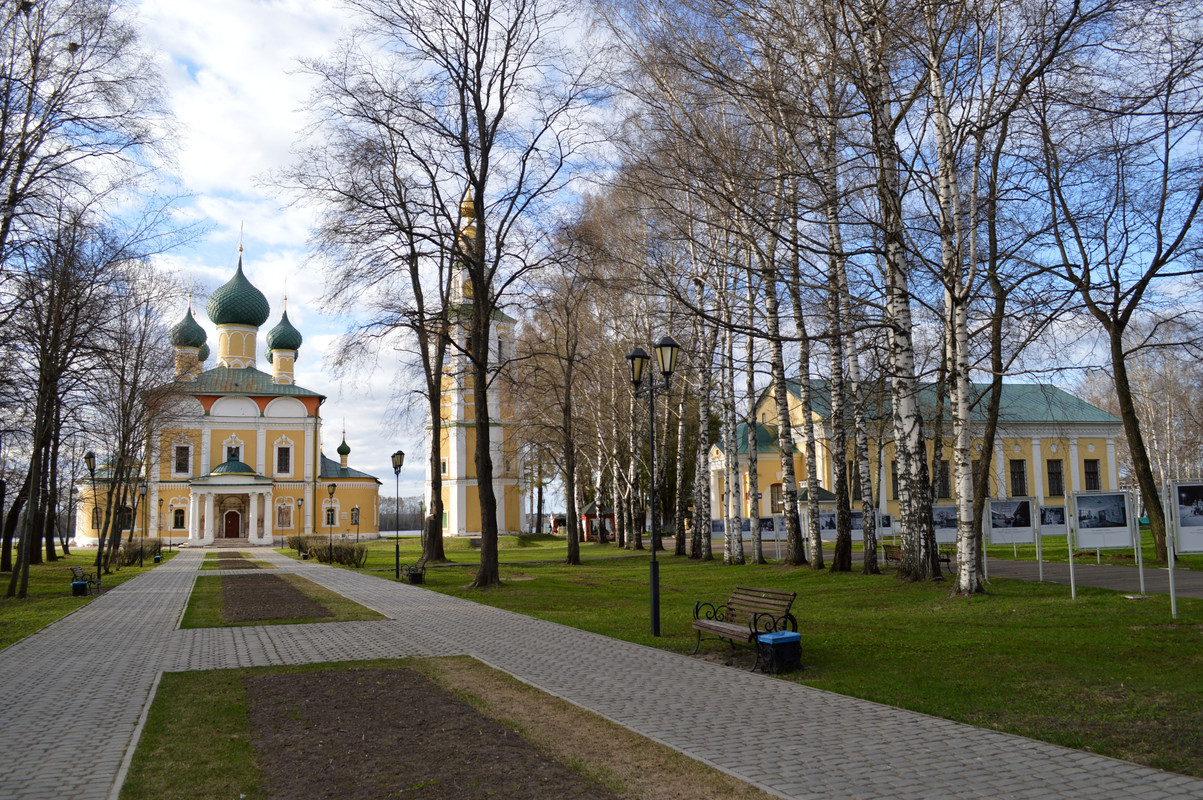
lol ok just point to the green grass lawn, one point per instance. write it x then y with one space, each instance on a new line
1100 673
510 550
49 595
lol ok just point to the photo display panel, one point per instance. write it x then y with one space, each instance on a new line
1102 520
827 524
1011 521
945 519
1052 521
1189 508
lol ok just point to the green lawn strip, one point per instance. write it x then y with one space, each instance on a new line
49 593
510 550
1100 673
205 604
191 708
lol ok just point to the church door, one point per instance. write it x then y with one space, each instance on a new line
233 525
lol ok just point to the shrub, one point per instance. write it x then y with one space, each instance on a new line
139 547
347 553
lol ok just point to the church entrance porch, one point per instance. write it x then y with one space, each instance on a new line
236 511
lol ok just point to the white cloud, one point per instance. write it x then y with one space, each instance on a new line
231 69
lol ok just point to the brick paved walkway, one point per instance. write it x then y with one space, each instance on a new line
74 693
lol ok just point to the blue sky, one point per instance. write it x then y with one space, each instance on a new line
230 67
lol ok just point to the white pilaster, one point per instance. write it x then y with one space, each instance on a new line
1071 471
1112 467
261 450
1000 472
1037 469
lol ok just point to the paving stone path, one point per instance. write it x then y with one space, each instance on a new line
74 693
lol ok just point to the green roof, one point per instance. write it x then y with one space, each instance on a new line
766 439
822 495
248 381
332 469
1021 402
232 467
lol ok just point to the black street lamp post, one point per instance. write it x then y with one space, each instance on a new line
398 462
330 491
300 526
90 463
145 522
666 358
159 525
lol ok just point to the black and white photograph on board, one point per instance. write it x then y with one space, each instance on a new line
1190 505
1190 517
1011 521
827 524
1052 520
945 520
1102 520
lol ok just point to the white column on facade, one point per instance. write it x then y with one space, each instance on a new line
152 510
210 531
1000 469
1037 472
1112 467
1071 469
252 529
194 531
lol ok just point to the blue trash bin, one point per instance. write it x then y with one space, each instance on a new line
79 588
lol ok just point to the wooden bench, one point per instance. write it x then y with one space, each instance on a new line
747 613
79 576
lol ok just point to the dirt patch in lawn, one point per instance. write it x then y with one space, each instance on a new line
236 563
260 597
373 733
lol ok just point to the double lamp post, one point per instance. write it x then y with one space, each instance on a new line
666 358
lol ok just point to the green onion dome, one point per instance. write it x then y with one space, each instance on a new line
284 336
203 355
344 449
232 467
188 332
238 303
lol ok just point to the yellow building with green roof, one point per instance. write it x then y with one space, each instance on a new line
240 462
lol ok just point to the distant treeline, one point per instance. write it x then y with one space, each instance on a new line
410 514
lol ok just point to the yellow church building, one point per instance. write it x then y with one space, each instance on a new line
456 428
1049 444
240 459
